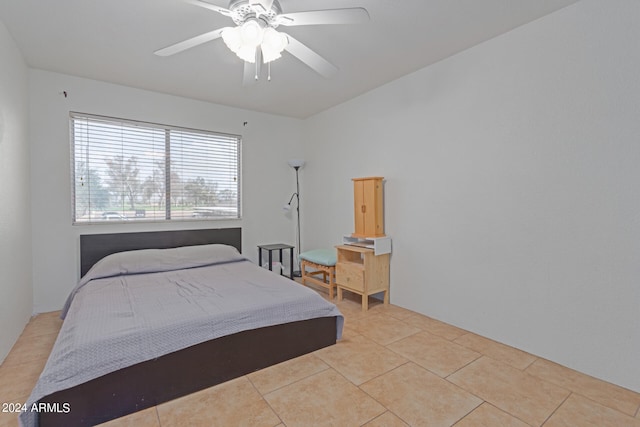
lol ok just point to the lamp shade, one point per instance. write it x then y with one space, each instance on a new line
296 163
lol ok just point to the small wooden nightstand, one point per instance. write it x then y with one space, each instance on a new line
360 271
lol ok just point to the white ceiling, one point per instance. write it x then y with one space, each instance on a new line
114 41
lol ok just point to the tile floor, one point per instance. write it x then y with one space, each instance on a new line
393 367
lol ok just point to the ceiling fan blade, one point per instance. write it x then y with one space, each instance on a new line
189 43
354 15
222 10
310 58
252 71
263 6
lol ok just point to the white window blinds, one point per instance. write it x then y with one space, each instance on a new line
132 171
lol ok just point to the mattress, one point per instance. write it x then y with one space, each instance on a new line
136 306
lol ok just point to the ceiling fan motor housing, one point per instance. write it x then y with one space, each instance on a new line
242 10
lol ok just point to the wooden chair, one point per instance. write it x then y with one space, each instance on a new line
322 262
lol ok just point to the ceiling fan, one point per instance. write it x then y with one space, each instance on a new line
255 40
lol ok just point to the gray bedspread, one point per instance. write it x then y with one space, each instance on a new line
131 317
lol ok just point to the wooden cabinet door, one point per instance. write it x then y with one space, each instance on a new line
369 196
359 207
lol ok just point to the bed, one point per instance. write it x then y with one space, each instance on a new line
175 316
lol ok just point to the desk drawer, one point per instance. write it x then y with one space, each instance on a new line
350 275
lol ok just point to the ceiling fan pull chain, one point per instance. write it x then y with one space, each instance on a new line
268 71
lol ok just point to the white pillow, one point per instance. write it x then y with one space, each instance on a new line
155 260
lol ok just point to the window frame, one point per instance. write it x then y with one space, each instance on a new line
75 116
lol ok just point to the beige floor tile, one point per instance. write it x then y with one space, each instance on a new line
387 419
360 359
522 395
285 373
434 326
348 332
602 392
28 349
580 411
497 351
234 403
144 418
434 353
43 324
392 310
323 399
383 329
17 381
487 415
8 419
350 310
419 397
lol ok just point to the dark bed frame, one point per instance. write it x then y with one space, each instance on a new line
188 370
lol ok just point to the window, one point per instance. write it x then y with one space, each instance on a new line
131 171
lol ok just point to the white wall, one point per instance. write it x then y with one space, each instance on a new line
512 186
16 291
268 141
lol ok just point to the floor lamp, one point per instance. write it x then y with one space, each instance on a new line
296 164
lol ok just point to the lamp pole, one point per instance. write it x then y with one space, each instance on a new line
298 272
297 164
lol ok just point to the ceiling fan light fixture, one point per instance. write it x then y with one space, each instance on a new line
247 53
233 40
268 55
251 33
244 40
273 43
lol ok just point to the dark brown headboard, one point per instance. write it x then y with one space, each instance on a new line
94 247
